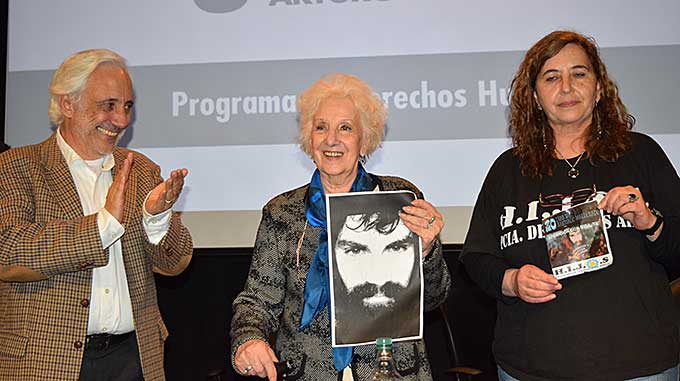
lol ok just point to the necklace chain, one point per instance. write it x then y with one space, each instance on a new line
573 172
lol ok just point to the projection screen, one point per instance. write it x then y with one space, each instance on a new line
216 83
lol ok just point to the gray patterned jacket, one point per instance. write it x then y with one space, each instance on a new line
270 306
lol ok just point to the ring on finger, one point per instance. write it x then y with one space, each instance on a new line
431 221
632 197
248 369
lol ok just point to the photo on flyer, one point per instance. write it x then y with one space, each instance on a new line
577 240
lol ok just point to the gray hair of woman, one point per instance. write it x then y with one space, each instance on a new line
370 108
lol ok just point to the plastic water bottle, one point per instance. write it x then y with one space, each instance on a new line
384 369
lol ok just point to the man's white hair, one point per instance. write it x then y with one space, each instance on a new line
72 75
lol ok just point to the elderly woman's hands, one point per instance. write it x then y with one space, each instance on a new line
425 220
627 202
256 358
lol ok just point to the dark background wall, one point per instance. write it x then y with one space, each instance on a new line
196 307
3 68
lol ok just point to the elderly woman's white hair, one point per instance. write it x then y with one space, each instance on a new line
370 108
72 75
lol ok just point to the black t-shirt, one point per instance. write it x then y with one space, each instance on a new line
615 323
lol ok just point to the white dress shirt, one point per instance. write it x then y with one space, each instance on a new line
110 305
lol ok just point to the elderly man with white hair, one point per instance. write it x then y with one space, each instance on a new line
83 226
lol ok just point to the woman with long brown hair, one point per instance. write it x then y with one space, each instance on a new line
572 141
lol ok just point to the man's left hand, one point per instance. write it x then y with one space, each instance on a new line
164 196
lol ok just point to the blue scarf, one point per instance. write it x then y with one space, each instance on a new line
317 287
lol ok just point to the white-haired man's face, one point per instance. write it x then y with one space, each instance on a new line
368 261
93 125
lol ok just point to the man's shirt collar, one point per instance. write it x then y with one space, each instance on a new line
72 157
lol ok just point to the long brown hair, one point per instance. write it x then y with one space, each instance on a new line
533 138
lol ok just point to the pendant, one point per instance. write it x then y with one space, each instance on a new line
573 173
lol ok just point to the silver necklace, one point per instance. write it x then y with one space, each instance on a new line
573 172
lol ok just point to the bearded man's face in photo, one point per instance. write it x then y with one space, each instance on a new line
376 261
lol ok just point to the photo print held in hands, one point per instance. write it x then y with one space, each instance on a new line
376 268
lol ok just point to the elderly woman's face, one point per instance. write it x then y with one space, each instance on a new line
336 140
567 89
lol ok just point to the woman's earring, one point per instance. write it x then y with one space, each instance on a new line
538 104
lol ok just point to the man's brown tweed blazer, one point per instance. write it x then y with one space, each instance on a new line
42 228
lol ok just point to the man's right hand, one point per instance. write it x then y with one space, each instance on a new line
115 198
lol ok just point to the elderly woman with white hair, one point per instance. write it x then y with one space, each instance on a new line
341 123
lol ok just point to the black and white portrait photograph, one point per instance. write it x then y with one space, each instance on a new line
376 281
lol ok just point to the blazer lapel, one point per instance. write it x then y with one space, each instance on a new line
59 179
130 245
